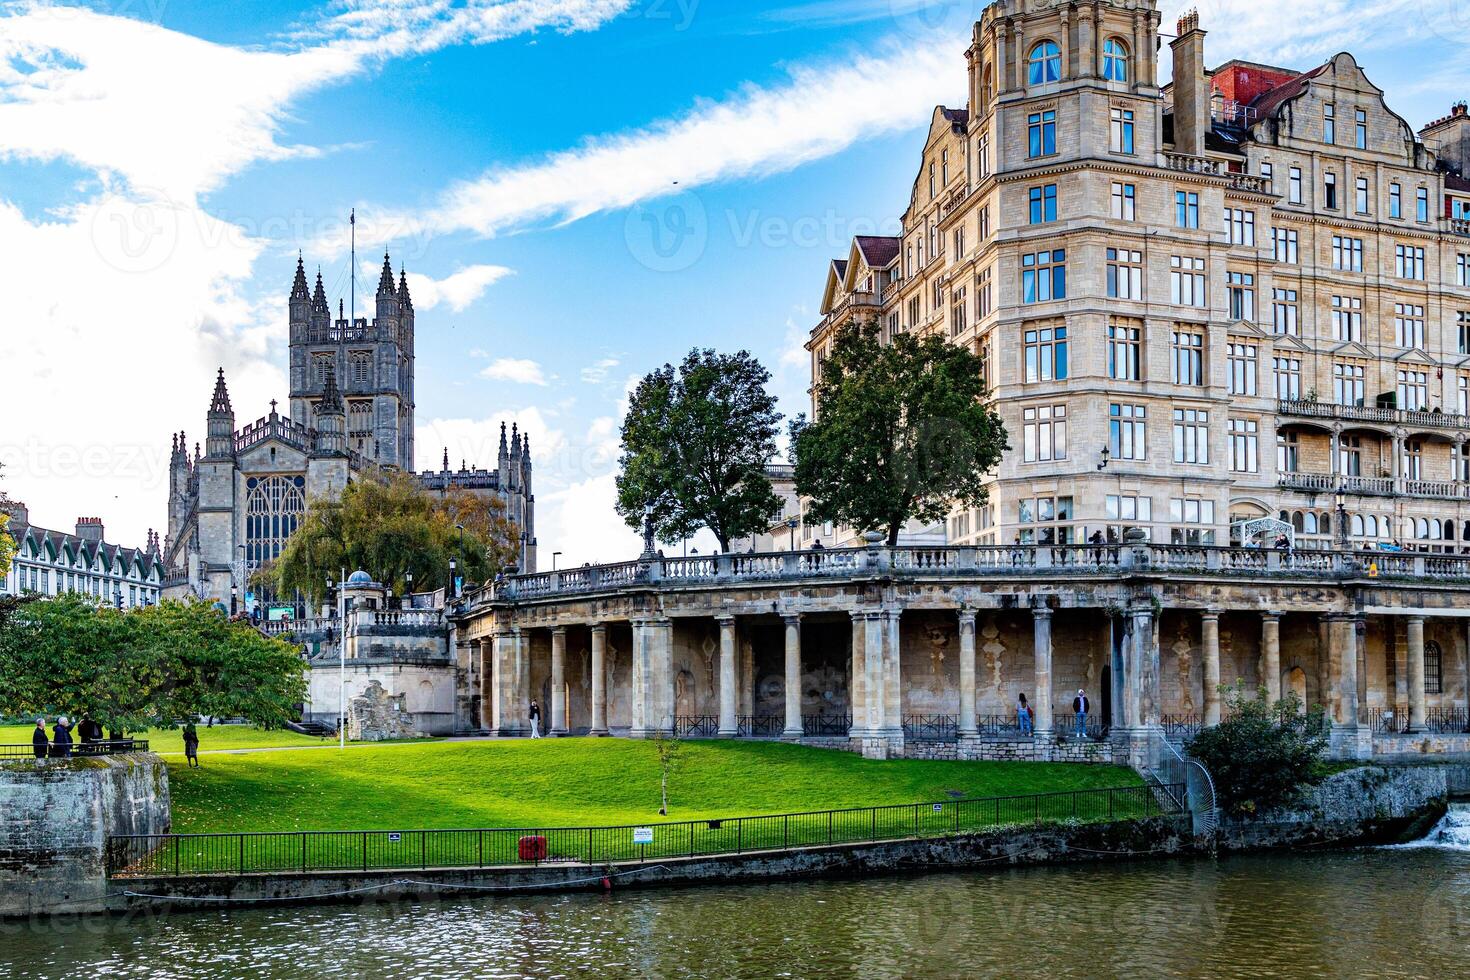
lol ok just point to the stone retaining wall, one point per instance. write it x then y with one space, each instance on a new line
1393 747
985 749
55 818
1371 804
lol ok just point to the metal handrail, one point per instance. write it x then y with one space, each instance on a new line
78 748
171 855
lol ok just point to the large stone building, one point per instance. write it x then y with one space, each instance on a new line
232 507
1198 304
1237 302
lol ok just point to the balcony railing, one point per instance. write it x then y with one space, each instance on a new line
1458 226
969 561
1378 486
1302 408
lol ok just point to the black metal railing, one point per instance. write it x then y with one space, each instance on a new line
826 725
107 747
1393 719
999 725
931 728
761 726
1181 726
165 855
696 726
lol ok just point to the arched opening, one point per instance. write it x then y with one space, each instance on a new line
1045 63
1115 60
1296 683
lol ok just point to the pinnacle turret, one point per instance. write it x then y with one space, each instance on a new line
385 282
503 451
331 396
220 403
319 296
298 286
403 296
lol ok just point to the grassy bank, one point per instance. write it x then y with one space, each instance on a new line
170 741
574 783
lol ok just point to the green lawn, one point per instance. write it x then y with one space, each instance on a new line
572 783
170 741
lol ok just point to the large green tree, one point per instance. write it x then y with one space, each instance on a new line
389 526
696 441
902 432
145 667
7 542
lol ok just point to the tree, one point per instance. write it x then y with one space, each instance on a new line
389 526
901 432
695 446
669 750
1263 754
8 546
144 667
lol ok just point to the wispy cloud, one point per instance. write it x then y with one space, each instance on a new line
515 370
457 291
823 109
596 373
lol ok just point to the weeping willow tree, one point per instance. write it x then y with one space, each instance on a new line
389 526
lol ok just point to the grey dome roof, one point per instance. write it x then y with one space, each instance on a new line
359 577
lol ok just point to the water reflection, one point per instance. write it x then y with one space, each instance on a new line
1386 912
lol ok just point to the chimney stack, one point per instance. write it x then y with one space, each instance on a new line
1191 92
89 529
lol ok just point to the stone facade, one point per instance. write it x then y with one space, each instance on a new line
901 648
1198 304
49 563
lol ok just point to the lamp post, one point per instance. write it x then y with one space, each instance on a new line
341 660
791 523
1107 454
234 598
554 556
454 562
1340 499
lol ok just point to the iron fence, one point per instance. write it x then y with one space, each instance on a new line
999 725
1181 726
164 855
762 726
115 746
931 728
1393 719
696 726
822 724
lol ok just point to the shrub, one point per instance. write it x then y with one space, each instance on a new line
1264 754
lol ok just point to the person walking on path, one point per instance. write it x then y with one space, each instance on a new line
40 744
1080 708
1024 716
535 719
191 745
61 739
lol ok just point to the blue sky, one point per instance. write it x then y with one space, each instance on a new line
580 190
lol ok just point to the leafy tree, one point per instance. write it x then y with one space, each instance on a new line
144 667
389 526
695 446
901 432
1263 754
8 546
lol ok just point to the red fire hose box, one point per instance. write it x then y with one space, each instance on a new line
533 848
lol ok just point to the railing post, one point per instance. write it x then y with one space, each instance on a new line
1043 556
242 853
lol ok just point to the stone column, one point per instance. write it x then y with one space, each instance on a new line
729 713
486 653
968 722
558 681
1271 655
1041 621
638 682
857 698
875 644
1343 637
1210 642
892 675
521 699
661 678
502 689
1416 673
599 679
793 676
1141 692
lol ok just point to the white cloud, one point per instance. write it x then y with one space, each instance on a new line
515 370
596 373
822 110
457 291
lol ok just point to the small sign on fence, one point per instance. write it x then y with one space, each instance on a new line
939 808
643 835
394 838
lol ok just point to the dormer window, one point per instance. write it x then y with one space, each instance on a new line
1115 60
1046 63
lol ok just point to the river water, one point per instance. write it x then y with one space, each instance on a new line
1385 912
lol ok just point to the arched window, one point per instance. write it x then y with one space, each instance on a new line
1433 668
1298 522
274 506
1046 63
1357 525
1324 523
1115 60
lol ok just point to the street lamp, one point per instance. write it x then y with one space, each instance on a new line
341 661
1340 499
1106 455
791 523
453 563
554 556
234 597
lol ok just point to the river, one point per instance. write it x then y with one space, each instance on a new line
1386 912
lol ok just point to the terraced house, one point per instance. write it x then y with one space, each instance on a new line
52 563
1243 294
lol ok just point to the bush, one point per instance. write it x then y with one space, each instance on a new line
1264 754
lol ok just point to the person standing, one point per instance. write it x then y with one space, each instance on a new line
191 745
1024 717
40 744
1080 708
535 719
61 739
